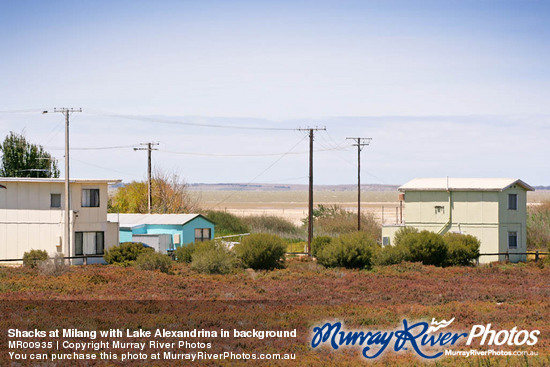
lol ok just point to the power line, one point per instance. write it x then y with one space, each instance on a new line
67 112
98 166
149 190
359 143
31 110
310 206
196 124
261 173
244 155
95 148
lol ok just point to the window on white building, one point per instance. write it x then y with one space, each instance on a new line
90 198
89 243
55 200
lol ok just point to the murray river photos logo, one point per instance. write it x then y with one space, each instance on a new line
426 340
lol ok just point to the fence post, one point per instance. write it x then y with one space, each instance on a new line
507 256
537 256
85 262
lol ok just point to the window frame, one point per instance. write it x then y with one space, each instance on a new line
90 198
202 236
513 234
51 200
99 239
513 204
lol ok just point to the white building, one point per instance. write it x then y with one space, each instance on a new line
32 217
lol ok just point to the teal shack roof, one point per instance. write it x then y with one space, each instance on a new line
135 220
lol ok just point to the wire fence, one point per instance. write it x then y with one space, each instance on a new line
537 254
84 258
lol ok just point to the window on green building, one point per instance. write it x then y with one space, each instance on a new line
513 201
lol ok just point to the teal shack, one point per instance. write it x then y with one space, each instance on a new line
173 230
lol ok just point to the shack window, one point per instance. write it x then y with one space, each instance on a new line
513 201
90 198
89 243
55 200
512 240
202 234
439 209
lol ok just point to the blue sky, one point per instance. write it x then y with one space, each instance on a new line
457 88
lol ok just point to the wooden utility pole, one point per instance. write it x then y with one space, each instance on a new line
67 223
359 143
310 204
149 185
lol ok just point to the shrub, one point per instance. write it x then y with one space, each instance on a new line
261 251
53 267
33 257
538 226
427 247
150 260
391 255
402 232
125 253
212 258
271 224
227 223
318 243
295 245
461 249
354 250
184 254
333 220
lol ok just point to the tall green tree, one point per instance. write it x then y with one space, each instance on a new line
20 158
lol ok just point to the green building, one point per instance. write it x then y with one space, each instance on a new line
492 209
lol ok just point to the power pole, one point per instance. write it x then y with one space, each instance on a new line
310 204
359 143
149 186
67 233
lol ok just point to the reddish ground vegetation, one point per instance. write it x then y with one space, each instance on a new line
300 296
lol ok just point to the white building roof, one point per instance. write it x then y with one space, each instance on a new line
134 220
59 180
463 184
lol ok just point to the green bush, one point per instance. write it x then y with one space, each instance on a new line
150 260
261 251
184 254
212 258
271 224
227 223
125 253
426 247
391 255
538 226
354 250
461 249
318 243
402 232
33 257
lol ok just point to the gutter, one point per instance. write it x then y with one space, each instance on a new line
450 221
